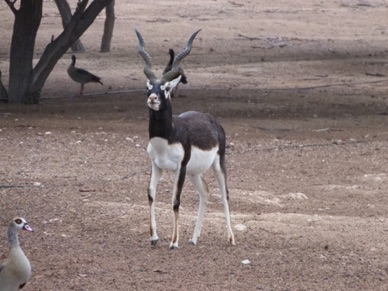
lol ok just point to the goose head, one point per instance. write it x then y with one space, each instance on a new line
19 223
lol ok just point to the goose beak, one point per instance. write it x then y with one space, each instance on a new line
27 227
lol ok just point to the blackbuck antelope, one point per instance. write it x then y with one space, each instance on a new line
187 144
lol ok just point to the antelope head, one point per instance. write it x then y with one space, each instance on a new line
159 90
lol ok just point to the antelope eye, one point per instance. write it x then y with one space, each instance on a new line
168 88
18 221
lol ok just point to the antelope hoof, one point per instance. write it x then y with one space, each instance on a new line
231 241
174 246
154 242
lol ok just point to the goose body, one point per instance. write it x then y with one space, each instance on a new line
81 76
16 271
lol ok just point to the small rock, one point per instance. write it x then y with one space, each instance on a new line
298 195
240 227
246 262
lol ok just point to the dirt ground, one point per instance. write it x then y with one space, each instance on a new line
301 89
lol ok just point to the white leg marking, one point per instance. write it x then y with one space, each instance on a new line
155 176
203 191
175 233
222 184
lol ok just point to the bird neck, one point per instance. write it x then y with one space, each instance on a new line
13 238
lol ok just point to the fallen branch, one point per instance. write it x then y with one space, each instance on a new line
12 186
375 74
301 146
251 37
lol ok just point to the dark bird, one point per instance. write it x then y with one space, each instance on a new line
81 76
15 273
180 70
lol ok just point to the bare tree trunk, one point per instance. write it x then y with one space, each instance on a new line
108 27
65 11
3 92
27 21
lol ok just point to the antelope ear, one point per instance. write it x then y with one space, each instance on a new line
172 84
149 85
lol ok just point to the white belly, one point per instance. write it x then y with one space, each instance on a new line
165 156
169 157
200 160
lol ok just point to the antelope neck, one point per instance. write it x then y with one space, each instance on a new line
160 122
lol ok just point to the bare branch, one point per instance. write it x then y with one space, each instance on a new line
65 11
11 4
81 5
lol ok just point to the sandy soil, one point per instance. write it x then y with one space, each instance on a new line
300 87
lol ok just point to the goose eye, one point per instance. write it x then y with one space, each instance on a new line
18 221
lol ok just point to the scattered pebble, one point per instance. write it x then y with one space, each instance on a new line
298 195
246 262
240 227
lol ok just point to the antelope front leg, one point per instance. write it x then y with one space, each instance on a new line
176 200
156 173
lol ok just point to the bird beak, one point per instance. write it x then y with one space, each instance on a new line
27 227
